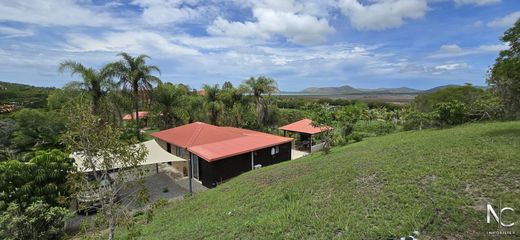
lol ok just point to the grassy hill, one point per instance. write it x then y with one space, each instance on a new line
433 181
23 95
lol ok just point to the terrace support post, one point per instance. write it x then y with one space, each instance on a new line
252 161
157 167
310 145
190 174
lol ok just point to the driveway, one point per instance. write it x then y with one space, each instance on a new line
159 186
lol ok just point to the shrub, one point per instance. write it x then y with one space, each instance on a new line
38 221
419 120
450 113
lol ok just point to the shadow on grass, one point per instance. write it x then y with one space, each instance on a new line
503 133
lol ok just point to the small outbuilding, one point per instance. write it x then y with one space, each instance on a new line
214 154
306 131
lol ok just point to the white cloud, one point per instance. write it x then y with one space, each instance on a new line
170 11
451 66
8 32
53 13
276 18
476 2
382 14
506 21
129 41
450 48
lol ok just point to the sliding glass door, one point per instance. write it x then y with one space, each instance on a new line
195 166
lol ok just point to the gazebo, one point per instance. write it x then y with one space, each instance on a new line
306 131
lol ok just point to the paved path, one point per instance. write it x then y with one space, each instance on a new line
295 154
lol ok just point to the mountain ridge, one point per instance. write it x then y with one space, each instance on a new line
346 89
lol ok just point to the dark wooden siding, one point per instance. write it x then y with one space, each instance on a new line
265 158
213 173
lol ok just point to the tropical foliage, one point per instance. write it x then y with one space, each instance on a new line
43 178
39 221
504 76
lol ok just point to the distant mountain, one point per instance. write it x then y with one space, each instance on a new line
332 90
435 89
350 90
391 90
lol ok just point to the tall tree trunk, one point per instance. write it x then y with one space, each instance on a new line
111 222
136 108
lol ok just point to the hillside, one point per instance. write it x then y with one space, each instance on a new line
332 90
435 89
381 187
23 95
351 90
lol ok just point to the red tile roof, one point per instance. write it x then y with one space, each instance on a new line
213 143
302 126
131 116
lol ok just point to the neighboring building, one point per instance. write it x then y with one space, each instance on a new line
7 108
220 153
201 92
131 116
143 118
307 132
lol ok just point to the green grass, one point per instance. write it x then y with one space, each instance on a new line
378 188
146 135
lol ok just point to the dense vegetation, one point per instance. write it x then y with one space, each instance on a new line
436 182
22 95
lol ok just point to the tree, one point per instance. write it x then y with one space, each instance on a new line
7 128
36 128
213 103
95 82
324 118
227 85
450 113
196 112
100 149
258 87
38 221
504 75
466 94
237 109
136 75
346 118
43 178
168 105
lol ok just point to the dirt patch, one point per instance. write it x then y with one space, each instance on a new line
370 183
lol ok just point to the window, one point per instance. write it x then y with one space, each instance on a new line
180 152
275 150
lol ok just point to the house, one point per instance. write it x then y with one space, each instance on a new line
214 154
308 134
131 116
143 117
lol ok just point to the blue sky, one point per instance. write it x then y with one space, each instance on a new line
362 43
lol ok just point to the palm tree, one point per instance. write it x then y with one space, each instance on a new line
213 103
95 82
168 104
135 75
258 88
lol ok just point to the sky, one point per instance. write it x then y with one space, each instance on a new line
314 43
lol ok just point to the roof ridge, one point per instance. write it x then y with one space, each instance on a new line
195 135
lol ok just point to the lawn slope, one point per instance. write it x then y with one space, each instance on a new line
433 181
